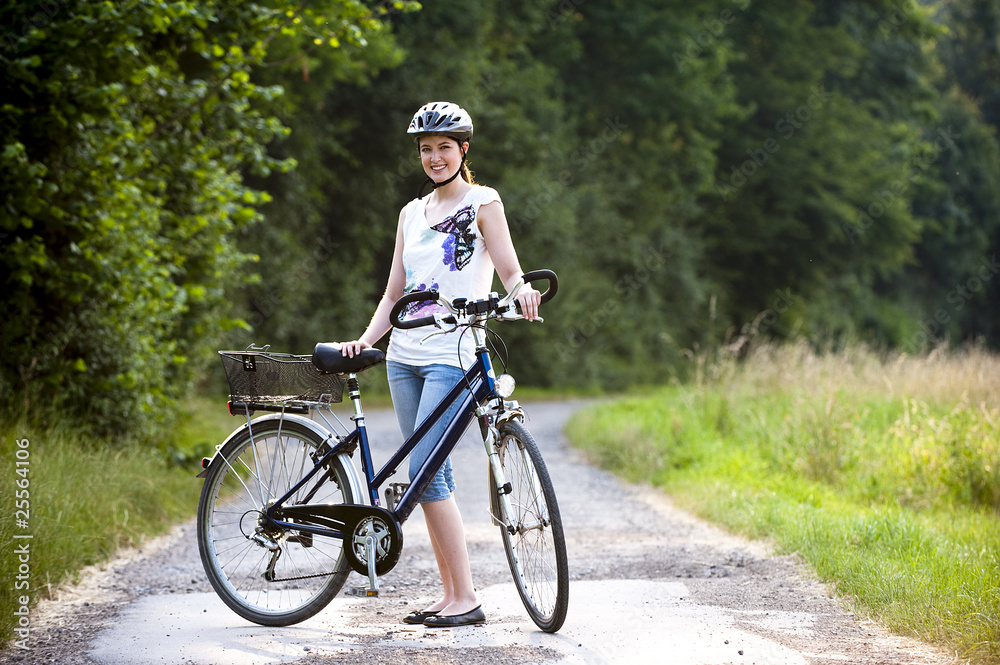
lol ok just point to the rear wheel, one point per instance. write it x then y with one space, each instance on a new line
270 576
533 540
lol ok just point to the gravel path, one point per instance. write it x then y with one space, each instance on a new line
650 583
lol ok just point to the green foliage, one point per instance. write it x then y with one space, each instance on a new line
127 129
951 288
178 177
311 281
970 50
326 248
810 195
551 141
86 500
694 174
649 110
882 473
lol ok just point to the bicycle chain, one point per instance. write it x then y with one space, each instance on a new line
304 577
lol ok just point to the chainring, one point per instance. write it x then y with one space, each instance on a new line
356 522
388 547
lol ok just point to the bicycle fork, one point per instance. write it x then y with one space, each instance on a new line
500 508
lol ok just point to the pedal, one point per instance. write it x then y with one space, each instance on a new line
371 551
393 493
371 545
370 591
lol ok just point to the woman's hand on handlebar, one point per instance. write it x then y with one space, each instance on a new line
528 299
351 349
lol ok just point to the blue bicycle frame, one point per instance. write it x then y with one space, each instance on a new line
475 388
480 378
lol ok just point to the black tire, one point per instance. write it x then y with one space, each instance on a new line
244 476
536 550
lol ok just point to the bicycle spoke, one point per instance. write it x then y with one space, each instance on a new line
536 549
305 576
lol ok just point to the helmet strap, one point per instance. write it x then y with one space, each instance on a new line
435 185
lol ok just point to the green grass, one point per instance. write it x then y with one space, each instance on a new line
89 498
882 473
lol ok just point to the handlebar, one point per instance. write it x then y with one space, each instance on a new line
412 297
548 275
490 307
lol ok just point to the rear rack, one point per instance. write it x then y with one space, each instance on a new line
280 382
241 408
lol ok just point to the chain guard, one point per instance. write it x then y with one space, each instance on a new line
356 522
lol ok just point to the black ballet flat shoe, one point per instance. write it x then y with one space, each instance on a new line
418 618
469 618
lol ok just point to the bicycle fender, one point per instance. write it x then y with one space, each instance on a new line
321 433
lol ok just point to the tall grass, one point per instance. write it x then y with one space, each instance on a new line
882 471
89 498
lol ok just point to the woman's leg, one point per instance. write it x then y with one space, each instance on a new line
416 391
442 564
447 531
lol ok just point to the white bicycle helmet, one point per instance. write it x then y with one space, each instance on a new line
441 118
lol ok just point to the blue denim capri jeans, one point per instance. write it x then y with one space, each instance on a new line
416 391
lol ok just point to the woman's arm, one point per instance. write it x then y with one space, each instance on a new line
496 233
380 324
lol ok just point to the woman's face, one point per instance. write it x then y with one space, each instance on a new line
440 156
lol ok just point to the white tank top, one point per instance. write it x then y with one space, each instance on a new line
448 255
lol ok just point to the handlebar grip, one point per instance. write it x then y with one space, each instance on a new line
415 296
553 280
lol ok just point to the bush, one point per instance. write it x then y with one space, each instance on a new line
127 128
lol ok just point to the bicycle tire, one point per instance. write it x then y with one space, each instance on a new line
536 551
310 570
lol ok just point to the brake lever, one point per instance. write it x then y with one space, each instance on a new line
511 314
440 321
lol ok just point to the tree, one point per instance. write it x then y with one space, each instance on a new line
126 128
649 93
970 51
813 189
358 167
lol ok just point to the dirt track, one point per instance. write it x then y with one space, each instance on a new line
649 584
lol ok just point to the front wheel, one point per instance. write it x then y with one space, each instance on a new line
267 575
533 537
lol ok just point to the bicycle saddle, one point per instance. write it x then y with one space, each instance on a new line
327 358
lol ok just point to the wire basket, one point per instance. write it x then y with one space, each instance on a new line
259 377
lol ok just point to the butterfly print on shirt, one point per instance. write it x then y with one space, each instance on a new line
459 244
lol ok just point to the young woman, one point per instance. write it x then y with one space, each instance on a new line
451 240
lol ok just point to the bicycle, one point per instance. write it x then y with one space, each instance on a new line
284 517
